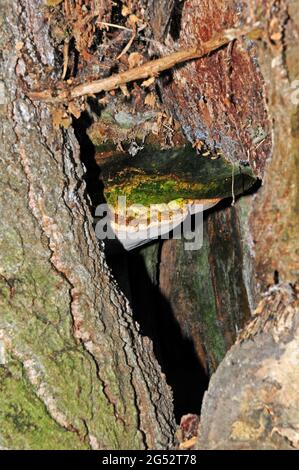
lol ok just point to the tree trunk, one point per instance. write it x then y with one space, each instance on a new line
77 370
252 401
75 373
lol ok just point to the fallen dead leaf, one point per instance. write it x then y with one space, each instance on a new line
61 118
125 11
150 100
135 59
74 109
104 101
133 20
148 82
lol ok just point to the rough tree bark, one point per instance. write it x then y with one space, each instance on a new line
252 400
75 373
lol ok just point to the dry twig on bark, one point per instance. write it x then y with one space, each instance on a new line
149 69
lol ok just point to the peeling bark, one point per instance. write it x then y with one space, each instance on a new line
252 401
224 91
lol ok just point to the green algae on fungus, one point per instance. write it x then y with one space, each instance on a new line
159 176
157 190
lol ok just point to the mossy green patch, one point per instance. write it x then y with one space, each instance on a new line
25 421
35 314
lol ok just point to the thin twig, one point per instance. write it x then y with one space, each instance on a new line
125 50
65 58
112 25
149 69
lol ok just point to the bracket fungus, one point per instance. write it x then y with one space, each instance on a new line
153 192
